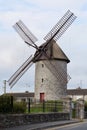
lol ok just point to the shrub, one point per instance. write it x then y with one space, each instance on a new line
5 104
19 107
85 106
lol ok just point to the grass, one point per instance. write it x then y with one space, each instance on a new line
49 106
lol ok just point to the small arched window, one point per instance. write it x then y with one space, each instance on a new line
42 80
42 65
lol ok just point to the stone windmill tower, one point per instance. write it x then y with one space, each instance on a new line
50 61
51 74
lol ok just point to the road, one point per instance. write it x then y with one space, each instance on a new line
77 126
43 126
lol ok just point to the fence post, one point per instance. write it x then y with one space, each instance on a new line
56 106
43 106
11 103
29 105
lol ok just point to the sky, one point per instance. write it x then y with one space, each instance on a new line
40 16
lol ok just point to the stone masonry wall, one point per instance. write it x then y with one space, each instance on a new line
47 83
10 120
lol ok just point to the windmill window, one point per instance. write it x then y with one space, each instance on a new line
42 65
42 80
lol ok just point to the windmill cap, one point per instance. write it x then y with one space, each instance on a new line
58 53
53 52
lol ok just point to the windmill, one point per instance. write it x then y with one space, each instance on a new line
50 61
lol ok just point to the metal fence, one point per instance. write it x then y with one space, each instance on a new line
45 106
8 104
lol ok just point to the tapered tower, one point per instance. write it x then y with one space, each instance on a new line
51 74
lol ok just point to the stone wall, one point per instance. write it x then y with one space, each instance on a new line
10 120
47 82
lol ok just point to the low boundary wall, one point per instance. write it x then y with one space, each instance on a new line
10 120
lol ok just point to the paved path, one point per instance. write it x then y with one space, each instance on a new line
41 126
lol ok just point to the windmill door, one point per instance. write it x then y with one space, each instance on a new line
42 96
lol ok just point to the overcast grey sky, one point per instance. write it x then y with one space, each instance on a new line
40 16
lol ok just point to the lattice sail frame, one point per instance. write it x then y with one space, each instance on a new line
60 73
25 33
57 31
18 74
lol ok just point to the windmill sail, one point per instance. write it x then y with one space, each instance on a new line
55 33
30 39
60 74
25 33
61 26
18 74
49 55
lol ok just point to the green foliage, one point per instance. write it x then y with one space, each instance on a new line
5 104
19 107
85 107
73 113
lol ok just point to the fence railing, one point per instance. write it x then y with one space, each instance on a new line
8 104
45 106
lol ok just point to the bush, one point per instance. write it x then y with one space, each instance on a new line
5 104
19 107
85 107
